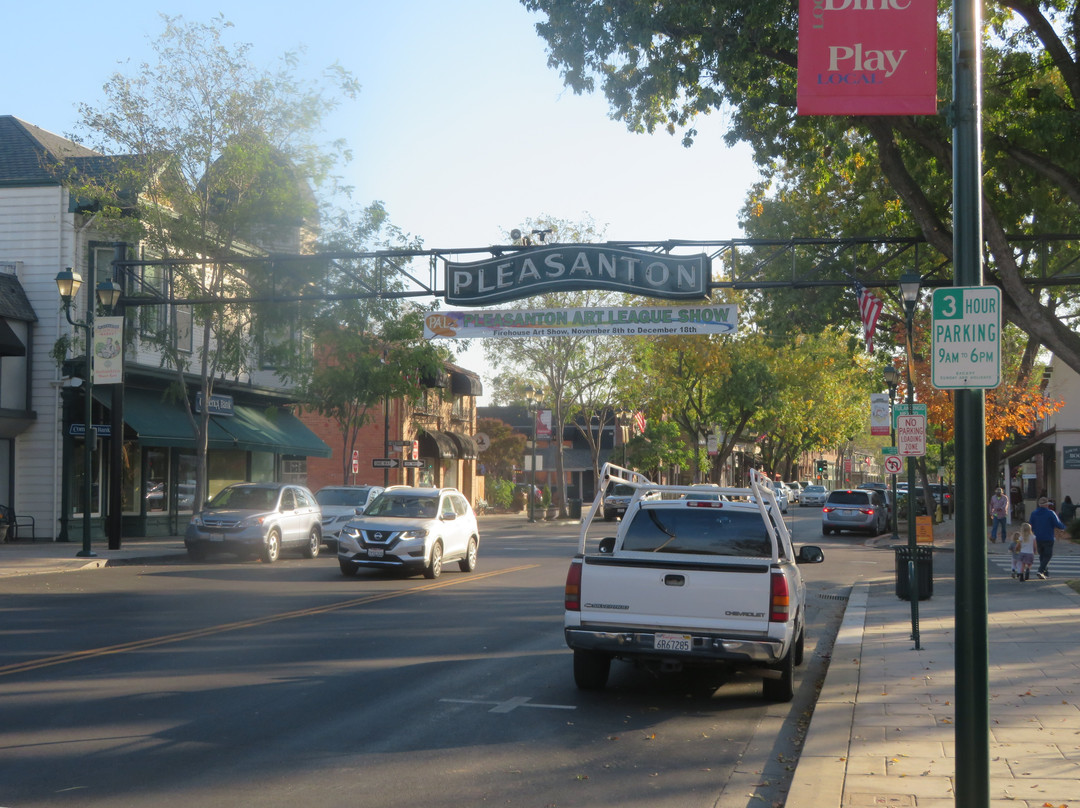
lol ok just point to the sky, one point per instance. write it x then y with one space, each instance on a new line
461 129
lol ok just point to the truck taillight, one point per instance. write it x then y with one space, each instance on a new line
779 599
572 592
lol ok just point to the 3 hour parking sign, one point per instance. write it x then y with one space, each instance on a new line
966 341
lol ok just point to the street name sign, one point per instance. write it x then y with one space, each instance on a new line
384 462
412 464
966 338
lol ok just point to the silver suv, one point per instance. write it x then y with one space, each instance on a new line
256 519
411 529
854 509
339 504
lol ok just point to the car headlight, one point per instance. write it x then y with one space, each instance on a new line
252 521
416 533
196 520
351 531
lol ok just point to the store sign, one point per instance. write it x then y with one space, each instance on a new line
219 404
568 267
867 57
1070 457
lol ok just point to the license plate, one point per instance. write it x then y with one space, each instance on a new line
216 537
846 513
671 642
375 553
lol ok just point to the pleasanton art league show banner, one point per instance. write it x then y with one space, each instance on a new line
614 321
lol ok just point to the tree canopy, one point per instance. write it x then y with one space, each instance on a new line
663 64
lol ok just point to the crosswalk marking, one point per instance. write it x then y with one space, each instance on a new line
1060 566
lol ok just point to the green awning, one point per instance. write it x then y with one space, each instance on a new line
160 422
274 430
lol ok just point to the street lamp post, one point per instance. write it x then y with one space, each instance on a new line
909 290
532 398
892 378
68 284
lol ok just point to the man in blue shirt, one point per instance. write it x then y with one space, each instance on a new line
1043 521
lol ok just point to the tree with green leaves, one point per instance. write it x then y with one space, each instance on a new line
222 158
659 450
505 448
663 64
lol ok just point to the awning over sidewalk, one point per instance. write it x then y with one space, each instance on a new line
466 446
437 444
160 422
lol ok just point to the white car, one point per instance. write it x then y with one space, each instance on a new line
339 504
794 493
411 529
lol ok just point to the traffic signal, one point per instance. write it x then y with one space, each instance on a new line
822 466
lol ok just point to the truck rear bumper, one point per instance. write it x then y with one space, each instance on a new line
639 644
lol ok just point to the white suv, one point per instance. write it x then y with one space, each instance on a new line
412 529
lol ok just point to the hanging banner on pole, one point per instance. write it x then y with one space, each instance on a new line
867 57
879 414
108 357
621 320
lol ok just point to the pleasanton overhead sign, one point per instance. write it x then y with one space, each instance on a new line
620 320
565 267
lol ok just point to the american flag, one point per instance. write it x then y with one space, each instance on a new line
869 309
639 419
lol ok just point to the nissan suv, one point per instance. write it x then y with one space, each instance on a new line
411 530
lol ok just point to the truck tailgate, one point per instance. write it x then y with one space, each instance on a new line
729 596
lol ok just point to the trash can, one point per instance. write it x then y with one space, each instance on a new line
924 571
574 506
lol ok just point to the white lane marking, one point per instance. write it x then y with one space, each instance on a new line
512 704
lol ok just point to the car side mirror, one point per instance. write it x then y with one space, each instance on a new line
810 554
449 517
607 545
359 510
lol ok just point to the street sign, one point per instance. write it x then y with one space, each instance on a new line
966 337
412 464
911 435
399 444
914 408
384 462
889 450
893 464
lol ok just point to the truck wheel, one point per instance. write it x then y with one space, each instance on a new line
800 648
782 689
591 670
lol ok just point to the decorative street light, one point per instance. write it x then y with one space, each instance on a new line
909 289
68 284
532 398
892 378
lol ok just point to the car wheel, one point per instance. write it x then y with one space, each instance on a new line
782 689
608 517
468 563
800 647
272 549
826 531
347 569
196 553
591 669
434 566
314 544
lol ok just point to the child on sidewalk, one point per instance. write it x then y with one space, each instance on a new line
1026 539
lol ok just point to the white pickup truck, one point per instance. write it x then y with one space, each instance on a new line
689 581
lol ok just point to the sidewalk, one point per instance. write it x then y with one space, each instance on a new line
30 557
883 732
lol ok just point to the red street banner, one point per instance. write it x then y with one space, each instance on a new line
867 57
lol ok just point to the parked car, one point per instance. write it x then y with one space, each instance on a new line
854 509
618 497
794 493
339 504
814 495
413 530
705 492
782 498
886 492
942 496
257 519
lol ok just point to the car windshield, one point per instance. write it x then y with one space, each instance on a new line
245 499
621 490
404 506
815 489
348 497
706 531
849 497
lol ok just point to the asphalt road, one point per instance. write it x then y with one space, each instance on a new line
236 683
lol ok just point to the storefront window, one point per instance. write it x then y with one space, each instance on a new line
185 482
224 468
262 467
157 480
131 477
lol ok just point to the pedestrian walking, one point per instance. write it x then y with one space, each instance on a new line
1024 553
1068 510
1014 550
999 512
1043 522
